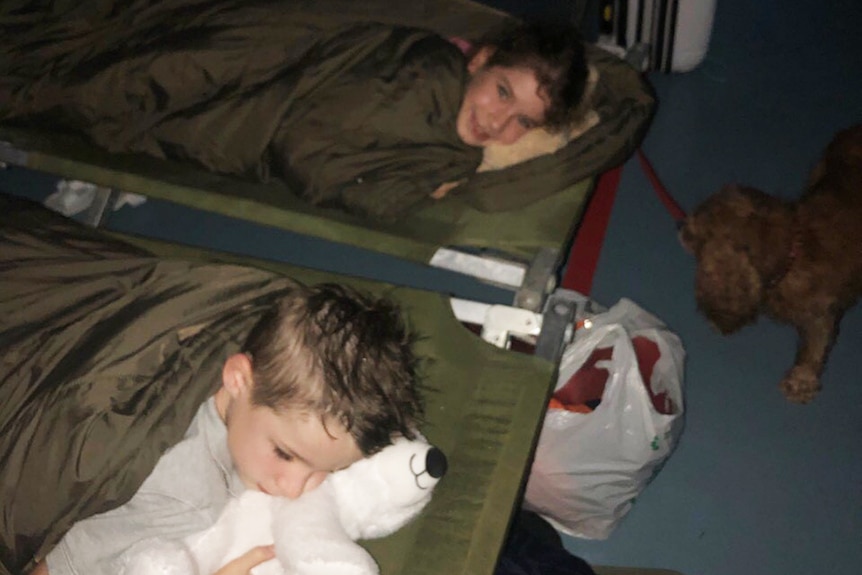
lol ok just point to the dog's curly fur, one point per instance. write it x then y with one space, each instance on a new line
799 262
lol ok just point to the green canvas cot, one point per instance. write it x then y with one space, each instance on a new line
518 213
108 343
84 314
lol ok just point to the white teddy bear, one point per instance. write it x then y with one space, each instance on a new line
315 534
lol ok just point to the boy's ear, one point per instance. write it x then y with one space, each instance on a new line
479 59
237 374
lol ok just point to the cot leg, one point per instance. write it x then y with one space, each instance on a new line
11 156
491 269
96 215
558 321
552 329
539 280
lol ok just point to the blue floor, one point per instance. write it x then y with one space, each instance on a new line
757 485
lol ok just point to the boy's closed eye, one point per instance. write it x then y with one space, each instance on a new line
283 455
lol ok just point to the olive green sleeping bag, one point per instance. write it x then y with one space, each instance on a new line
108 346
516 211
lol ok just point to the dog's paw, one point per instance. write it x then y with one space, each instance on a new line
800 385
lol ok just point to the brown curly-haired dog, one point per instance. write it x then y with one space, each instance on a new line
799 262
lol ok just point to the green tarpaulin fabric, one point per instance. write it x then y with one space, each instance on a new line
516 211
107 346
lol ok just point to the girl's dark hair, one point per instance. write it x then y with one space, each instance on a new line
342 354
555 53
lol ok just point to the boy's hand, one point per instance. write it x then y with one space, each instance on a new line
444 189
243 564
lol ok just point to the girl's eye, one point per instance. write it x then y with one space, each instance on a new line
526 123
502 91
282 455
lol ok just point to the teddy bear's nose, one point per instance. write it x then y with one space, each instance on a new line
435 463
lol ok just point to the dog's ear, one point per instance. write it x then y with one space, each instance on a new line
709 218
727 286
816 175
686 235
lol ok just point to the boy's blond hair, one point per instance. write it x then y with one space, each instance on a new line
345 355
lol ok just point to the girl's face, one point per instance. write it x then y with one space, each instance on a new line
500 104
285 452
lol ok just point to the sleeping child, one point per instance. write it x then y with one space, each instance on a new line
369 118
326 377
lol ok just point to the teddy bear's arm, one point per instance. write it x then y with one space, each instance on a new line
310 539
157 557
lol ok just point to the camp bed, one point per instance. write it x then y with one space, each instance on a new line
511 229
484 403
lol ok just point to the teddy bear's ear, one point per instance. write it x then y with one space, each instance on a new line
378 495
728 288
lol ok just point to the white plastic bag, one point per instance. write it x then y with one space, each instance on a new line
590 463
72 197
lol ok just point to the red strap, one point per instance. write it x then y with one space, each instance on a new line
584 254
676 212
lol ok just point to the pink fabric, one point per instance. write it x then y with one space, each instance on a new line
463 44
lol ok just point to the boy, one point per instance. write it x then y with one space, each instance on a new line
325 377
370 118
522 77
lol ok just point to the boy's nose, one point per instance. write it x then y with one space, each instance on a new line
497 123
498 117
293 485
500 120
